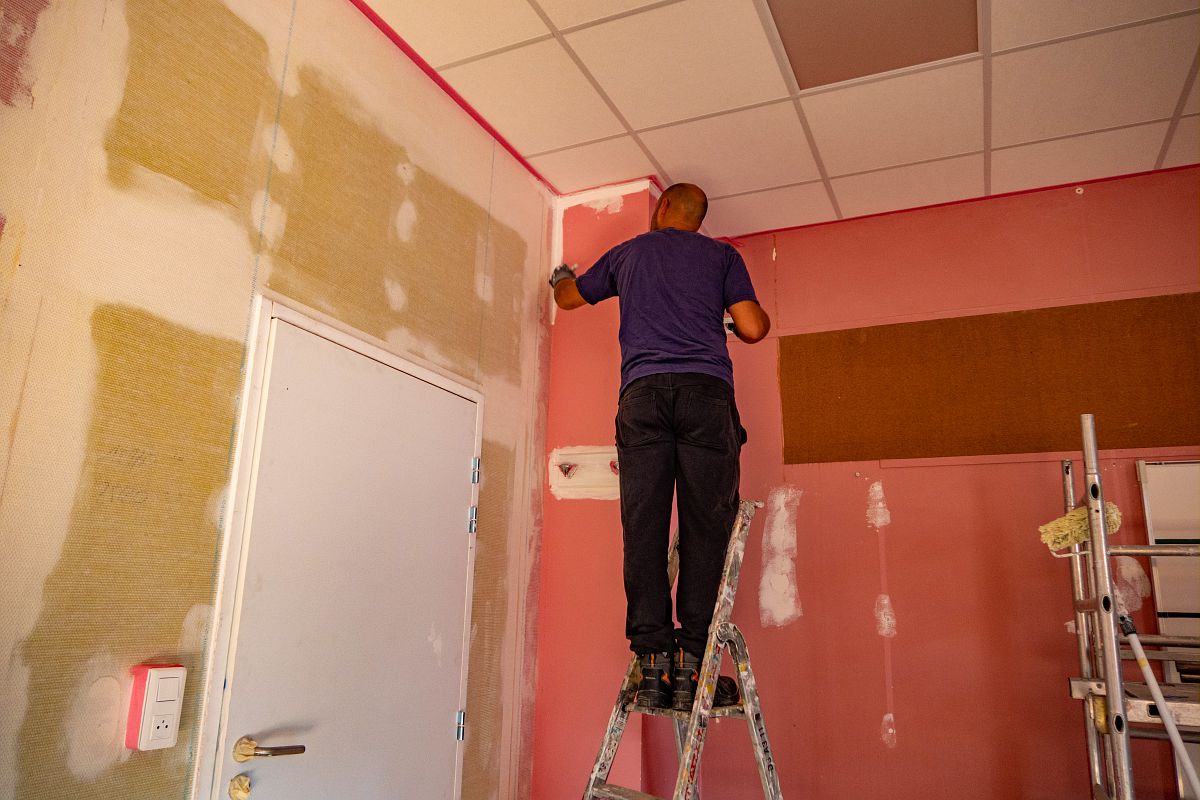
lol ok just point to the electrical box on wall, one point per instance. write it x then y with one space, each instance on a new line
154 706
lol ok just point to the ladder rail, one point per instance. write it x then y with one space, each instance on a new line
690 734
613 733
767 773
689 762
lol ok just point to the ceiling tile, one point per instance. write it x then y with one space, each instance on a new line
451 30
1018 22
764 211
738 152
565 13
1077 158
1185 144
910 187
1117 78
828 41
1192 104
535 97
887 123
594 164
682 60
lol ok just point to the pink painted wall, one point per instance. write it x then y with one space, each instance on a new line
976 676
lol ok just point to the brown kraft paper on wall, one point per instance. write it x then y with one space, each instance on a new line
996 383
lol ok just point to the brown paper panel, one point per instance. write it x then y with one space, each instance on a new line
996 383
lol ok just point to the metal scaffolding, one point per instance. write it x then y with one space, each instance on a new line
1111 703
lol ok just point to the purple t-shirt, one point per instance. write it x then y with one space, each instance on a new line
674 287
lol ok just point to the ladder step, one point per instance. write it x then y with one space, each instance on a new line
609 791
735 711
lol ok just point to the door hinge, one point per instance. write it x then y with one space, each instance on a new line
474 470
472 519
460 726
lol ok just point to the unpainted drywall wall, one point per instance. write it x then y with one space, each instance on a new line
159 163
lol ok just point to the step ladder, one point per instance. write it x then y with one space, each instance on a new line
690 728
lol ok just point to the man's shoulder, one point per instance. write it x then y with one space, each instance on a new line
672 237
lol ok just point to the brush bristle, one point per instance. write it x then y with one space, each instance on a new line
1072 528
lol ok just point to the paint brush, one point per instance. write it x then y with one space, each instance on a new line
1072 528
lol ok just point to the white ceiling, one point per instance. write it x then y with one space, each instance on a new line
592 92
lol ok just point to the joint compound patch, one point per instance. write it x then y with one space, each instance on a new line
609 205
1130 583
94 723
778 603
584 473
887 730
885 617
435 639
877 511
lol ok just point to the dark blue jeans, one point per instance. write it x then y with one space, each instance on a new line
677 433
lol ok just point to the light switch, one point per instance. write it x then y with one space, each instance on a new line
168 689
154 706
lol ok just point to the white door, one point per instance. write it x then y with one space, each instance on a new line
355 577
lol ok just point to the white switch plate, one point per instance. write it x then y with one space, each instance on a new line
154 706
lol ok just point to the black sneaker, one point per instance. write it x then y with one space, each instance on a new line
686 671
654 691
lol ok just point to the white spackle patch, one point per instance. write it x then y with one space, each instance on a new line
435 639
483 280
877 510
396 296
273 218
93 725
1070 626
195 628
588 473
1130 582
406 220
407 172
887 730
885 616
283 157
778 603
609 205
215 508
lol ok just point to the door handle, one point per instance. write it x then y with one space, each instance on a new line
239 787
246 748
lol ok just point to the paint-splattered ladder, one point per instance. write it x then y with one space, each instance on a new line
690 728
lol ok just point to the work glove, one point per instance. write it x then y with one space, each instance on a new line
561 273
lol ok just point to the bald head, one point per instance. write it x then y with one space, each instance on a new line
682 205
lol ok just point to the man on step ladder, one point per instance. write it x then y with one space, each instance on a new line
677 428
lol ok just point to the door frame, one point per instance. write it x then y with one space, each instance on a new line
238 509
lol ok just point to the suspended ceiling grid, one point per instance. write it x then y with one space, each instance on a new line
784 120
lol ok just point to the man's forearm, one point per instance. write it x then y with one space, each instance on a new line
567 296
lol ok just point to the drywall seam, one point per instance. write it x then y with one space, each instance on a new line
879 517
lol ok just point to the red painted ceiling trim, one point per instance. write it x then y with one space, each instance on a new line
425 67
736 240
